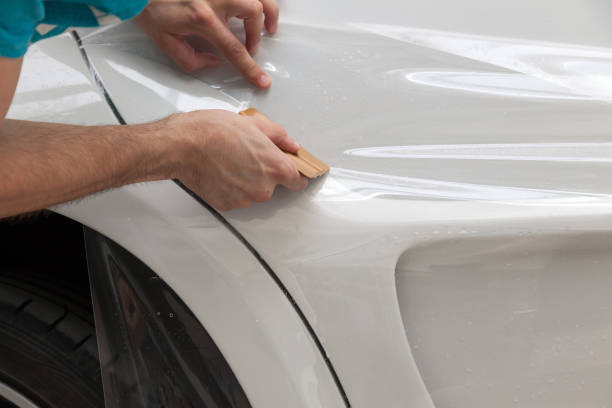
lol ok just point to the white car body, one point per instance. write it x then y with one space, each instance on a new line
456 255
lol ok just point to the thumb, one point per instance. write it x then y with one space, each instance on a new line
284 142
187 57
275 132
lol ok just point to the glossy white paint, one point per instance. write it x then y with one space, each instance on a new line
568 21
461 135
433 136
263 339
243 310
529 316
61 92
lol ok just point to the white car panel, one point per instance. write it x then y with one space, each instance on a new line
63 91
513 319
569 21
460 134
252 322
433 136
244 311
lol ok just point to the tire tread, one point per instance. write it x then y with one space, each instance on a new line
55 325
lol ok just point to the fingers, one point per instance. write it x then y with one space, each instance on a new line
292 179
276 133
270 9
284 142
286 172
283 172
231 200
224 40
253 24
185 55
237 54
237 201
253 11
168 22
252 28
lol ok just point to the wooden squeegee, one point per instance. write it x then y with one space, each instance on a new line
306 163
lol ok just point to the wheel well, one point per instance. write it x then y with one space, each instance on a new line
47 334
46 247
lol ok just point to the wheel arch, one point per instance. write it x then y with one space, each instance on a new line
246 313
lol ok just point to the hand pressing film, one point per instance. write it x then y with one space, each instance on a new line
306 163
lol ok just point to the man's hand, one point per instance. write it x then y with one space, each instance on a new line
168 22
230 160
227 159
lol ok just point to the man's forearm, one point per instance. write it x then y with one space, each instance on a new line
42 164
9 74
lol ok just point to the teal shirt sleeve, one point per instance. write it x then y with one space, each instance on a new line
18 19
78 13
124 9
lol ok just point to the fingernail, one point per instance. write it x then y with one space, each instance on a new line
264 81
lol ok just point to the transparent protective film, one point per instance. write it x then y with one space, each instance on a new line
470 151
153 351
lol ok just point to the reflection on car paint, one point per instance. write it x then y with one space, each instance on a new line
182 101
63 91
530 114
582 70
492 83
352 185
593 152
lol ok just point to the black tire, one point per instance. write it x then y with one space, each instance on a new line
48 350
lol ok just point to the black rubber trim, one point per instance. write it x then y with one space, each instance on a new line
231 228
97 78
276 279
